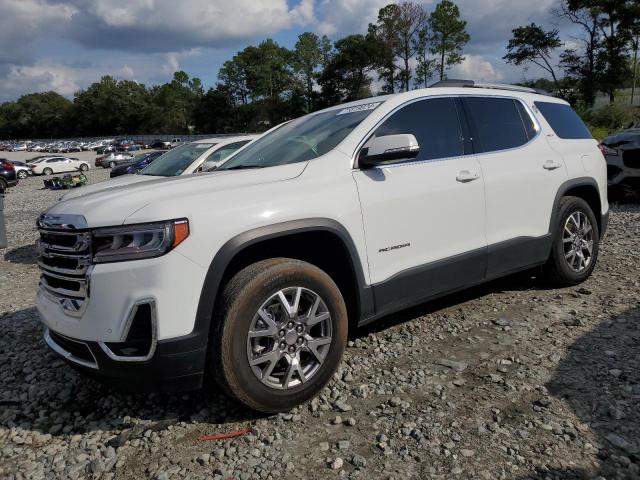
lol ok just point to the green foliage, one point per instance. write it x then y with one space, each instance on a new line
346 76
448 35
532 44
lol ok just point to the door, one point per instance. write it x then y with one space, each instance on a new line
424 219
521 174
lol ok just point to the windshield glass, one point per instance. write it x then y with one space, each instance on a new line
177 160
303 139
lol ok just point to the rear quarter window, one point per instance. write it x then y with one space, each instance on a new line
564 121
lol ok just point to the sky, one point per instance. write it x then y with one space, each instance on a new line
65 45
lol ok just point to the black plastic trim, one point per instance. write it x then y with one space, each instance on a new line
564 188
436 279
230 249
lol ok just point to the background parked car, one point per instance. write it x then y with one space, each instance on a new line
59 165
105 149
22 169
136 164
622 152
112 159
8 176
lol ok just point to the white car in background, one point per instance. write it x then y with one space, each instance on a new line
193 157
51 165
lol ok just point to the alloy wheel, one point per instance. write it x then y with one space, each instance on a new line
289 338
577 239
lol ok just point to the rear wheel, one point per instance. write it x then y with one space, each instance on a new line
280 334
3 185
47 171
575 247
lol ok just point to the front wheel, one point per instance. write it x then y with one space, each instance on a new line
22 174
112 164
575 247
84 167
280 333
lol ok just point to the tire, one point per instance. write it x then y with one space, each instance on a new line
112 164
84 167
258 286
47 171
4 185
22 174
563 269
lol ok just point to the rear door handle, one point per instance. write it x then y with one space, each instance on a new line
465 176
551 165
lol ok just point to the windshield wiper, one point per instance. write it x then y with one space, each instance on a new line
242 167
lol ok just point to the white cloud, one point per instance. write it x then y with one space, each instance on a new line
21 21
156 24
342 17
476 67
172 59
41 77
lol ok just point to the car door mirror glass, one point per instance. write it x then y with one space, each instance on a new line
388 149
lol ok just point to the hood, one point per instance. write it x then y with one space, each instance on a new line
117 182
112 202
629 137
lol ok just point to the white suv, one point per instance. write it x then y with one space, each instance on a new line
254 274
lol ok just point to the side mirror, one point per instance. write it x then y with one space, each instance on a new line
389 148
209 165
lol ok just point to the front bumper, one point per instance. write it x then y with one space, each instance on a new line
177 365
90 337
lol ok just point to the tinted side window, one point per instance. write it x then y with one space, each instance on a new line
497 123
434 123
565 122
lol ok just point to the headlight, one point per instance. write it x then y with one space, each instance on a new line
135 242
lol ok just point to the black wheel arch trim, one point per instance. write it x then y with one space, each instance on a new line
235 245
573 183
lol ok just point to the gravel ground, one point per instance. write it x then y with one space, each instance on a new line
506 381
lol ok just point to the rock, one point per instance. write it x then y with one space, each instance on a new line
324 446
336 464
358 461
467 453
453 364
343 444
503 322
343 406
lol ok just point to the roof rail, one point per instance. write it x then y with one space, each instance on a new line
496 86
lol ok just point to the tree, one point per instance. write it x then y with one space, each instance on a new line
532 44
383 36
426 66
411 21
214 111
233 75
448 35
616 19
580 66
308 55
346 77
395 35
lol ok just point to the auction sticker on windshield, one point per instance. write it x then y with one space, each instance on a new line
359 108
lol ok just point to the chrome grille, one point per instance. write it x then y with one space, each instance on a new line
64 258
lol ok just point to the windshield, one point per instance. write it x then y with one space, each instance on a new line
303 139
177 160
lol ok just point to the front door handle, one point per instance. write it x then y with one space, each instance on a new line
551 165
465 176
